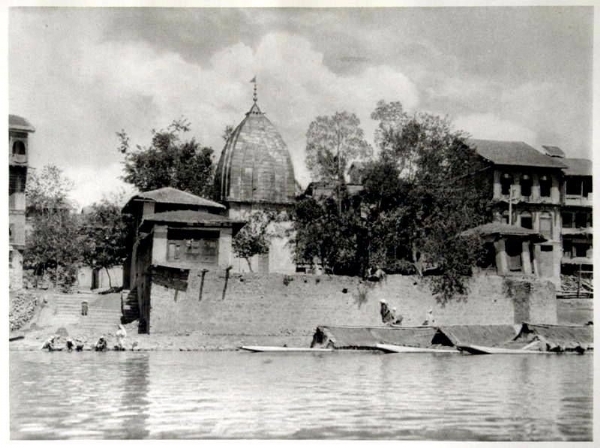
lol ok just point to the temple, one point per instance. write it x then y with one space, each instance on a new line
255 173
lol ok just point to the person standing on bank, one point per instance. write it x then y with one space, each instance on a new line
121 334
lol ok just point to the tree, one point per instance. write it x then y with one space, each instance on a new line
169 161
252 239
447 191
47 191
332 234
331 142
425 187
54 242
104 234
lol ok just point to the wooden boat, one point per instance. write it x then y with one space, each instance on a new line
273 349
15 337
390 348
482 350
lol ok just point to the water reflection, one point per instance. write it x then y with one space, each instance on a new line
338 395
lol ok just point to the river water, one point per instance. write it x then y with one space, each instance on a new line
340 395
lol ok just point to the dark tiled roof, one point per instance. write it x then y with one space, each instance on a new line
19 123
578 167
169 195
554 151
500 229
255 165
190 217
513 153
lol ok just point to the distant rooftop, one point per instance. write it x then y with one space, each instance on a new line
19 123
554 151
513 153
578 167
169 195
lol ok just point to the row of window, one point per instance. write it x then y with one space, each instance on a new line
573 186
526 182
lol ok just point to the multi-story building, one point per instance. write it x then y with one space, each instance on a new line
576 214
527 192
18 143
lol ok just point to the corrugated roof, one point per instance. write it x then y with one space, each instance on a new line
19 123
255 165
578 167
169 195
512 153
497 228
190 217
568 337
554 151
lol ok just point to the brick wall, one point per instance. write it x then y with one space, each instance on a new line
265 305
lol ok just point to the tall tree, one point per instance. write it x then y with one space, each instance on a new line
333 141
104 234
54 242
169 161
48 190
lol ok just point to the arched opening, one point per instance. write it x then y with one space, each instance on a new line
18 148
526 184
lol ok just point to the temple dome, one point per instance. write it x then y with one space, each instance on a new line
255 165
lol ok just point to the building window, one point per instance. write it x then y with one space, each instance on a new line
192 246
546 225
11 233
526 183
506 182
10 258
545 186
581 249
581 220
18 148
573 187
526 220
568 248
587 186
567 220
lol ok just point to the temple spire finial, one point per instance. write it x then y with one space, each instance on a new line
254 97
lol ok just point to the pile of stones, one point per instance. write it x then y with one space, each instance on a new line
22 309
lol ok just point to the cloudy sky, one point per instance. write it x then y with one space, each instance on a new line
80 75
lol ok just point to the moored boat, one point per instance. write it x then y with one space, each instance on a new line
482 350
391 348
274 349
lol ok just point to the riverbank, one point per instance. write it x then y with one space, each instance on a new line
51 318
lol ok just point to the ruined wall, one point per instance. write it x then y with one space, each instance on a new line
277 304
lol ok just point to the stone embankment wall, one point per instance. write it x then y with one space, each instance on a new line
277 304
22 309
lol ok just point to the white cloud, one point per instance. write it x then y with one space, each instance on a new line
92 88
492 127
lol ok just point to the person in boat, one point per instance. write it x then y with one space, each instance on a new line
429 319
50 344
121 334
101 345
70 345
397 318
386 314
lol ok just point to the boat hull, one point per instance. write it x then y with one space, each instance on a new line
390 348
482 350
271 349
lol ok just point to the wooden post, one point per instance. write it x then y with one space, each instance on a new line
175 296
226 280
204 271
579 281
